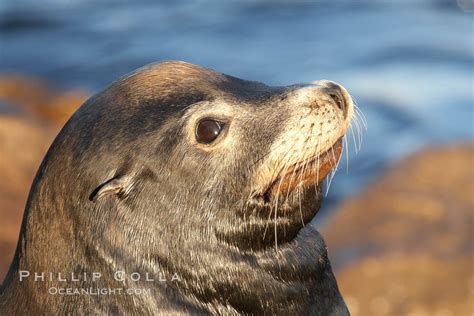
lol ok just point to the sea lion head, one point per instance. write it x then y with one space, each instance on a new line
237 158
174 161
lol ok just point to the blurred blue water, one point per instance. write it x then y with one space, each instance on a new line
409 64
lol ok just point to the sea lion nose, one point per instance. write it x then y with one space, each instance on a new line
336 97
337 93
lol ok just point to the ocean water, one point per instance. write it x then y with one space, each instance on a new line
408 64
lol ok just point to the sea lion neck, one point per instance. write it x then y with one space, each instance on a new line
289 276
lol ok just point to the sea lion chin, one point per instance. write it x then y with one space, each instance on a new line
182 171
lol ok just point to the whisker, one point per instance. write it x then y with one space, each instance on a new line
362 118
333 172
299 202
275 225
359 133
306 157
286 161
361 114
346 150
328 183
317 168
353 137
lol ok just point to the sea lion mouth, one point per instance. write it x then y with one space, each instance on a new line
308 172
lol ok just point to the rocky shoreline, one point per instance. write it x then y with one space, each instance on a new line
404 245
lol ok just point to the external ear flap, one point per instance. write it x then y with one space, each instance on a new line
119 185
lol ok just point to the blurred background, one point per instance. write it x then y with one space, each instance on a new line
398 222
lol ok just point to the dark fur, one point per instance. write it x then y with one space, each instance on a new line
121 188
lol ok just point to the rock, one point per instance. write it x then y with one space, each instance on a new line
408 285
23 144
40 100
410 232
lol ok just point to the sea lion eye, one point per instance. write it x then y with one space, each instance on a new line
207 130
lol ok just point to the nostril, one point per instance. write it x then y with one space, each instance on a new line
338 100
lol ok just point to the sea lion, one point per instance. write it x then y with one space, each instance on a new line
181 190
